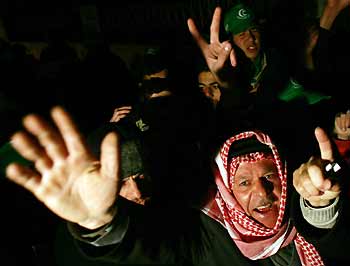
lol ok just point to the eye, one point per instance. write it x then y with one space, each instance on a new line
243 183
216 86
270 177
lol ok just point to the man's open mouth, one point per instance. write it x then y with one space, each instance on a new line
263 208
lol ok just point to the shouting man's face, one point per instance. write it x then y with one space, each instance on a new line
249 42
257 188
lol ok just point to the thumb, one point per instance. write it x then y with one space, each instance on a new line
233 58
110 156
324 144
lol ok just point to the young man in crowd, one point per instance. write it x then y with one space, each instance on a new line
264 72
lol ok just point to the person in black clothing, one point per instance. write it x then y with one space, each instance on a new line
246 208
165 121
324 65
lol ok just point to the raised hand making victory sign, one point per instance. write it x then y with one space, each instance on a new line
216 53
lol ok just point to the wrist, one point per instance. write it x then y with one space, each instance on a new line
320 217
341 136
318 203
324 200
93 223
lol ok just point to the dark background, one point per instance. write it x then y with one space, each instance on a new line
92 90
129 21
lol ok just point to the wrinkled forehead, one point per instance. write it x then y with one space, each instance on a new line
206 76
248 161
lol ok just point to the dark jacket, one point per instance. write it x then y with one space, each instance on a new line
189 237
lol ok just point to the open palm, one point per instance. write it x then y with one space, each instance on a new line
67 178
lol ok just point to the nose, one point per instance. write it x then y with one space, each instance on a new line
207 91
251 35
263 187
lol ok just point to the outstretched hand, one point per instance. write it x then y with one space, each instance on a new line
120 112
216 53
310 179
342 125
67 178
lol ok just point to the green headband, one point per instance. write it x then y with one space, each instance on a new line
238 19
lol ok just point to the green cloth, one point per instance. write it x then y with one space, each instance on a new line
295 91
9 155
258 68
238 19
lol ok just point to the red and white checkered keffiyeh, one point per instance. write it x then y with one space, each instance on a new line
253 239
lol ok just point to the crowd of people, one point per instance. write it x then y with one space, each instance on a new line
243 161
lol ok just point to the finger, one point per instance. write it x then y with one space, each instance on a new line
110 156
347 120
324 144
335 188
70 133
124 108
297 177
233 59
338 123
310 188
23 176
317 178
118 117
327 196
31 150
47 136
342 120
122 116
215 26
341 124
201 42
223 55
324 199
114 118
115 115
301 181
123 112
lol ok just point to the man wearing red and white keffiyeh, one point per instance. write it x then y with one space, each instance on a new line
250 201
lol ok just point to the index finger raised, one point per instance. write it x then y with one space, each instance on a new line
324 144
